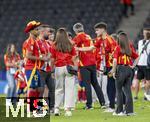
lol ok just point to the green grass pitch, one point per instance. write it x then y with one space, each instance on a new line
141 108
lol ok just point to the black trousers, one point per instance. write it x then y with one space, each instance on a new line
111 90
49 81
124 76
89 76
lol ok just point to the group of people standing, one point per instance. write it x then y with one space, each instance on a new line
53 62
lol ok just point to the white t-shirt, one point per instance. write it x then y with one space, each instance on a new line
143 57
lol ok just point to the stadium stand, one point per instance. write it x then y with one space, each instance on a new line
146 24
14 15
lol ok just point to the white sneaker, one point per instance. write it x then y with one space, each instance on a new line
131 114
147 96
119 114
56 112
68 113
114 114
109 110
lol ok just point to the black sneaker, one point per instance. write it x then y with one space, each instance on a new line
145 98
135 98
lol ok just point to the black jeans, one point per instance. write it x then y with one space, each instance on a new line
124 76
88 75
111 90
49 81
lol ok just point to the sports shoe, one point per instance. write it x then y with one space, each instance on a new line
68 113
51 111
119 114
147 96
56 112
109 110
136 98
131 114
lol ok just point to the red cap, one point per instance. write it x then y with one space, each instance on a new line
31 25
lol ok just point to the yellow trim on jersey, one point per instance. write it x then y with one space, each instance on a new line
31 77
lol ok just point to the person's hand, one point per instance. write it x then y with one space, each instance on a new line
104 35
132 67
112 74
46 58
53 75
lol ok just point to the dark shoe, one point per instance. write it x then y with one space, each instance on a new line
51 111
145 98
135 98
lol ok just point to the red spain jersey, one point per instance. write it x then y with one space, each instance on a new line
32 47
45 50
106 48
25 45
97 56
85 58
123 59
12 58
62 59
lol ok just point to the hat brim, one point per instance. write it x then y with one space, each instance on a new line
31 27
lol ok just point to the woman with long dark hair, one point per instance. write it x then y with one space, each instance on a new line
123 74
11 59
63 54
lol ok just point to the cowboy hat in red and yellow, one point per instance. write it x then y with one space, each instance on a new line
31 25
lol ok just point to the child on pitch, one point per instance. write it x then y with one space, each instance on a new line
21 80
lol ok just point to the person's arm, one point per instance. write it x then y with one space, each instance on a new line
114 66
30 55
8 63
75 60
85 48
136 57
113 70
135 62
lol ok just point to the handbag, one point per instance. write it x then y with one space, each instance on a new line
72 70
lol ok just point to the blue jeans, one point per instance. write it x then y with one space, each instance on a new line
11 85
